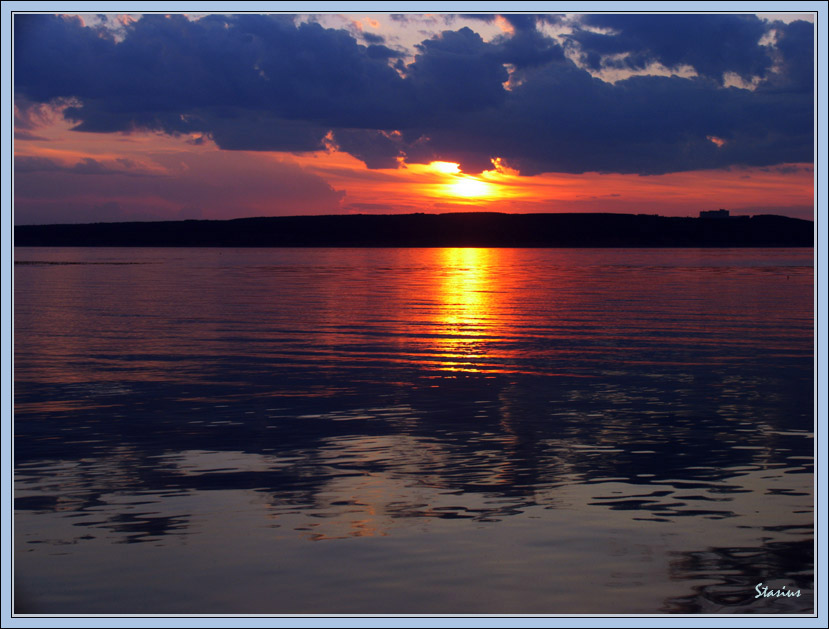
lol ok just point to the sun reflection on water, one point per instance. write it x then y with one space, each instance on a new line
464 318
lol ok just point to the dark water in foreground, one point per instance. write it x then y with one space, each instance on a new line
413 431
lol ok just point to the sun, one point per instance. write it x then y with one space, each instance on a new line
449 181
470 187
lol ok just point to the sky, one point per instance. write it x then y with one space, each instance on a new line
217 116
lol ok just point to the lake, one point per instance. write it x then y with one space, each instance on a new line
413 431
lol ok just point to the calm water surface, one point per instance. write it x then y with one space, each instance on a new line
413 431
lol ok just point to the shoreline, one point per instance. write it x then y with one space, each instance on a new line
474 229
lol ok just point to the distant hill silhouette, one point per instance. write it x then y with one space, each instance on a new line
475 229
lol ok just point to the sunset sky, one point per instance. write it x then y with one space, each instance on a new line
148 117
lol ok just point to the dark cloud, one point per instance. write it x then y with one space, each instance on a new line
177 76
789 169
86 166
711 44
377 149
528 48
262 82
372 38
795 56
457 72
520 21
257 131
383 52
567 121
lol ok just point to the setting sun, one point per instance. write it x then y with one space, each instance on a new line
470 187
445 180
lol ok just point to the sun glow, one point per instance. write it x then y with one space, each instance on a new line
470 187
460 185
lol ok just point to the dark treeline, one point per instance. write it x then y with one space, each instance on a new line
477 229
